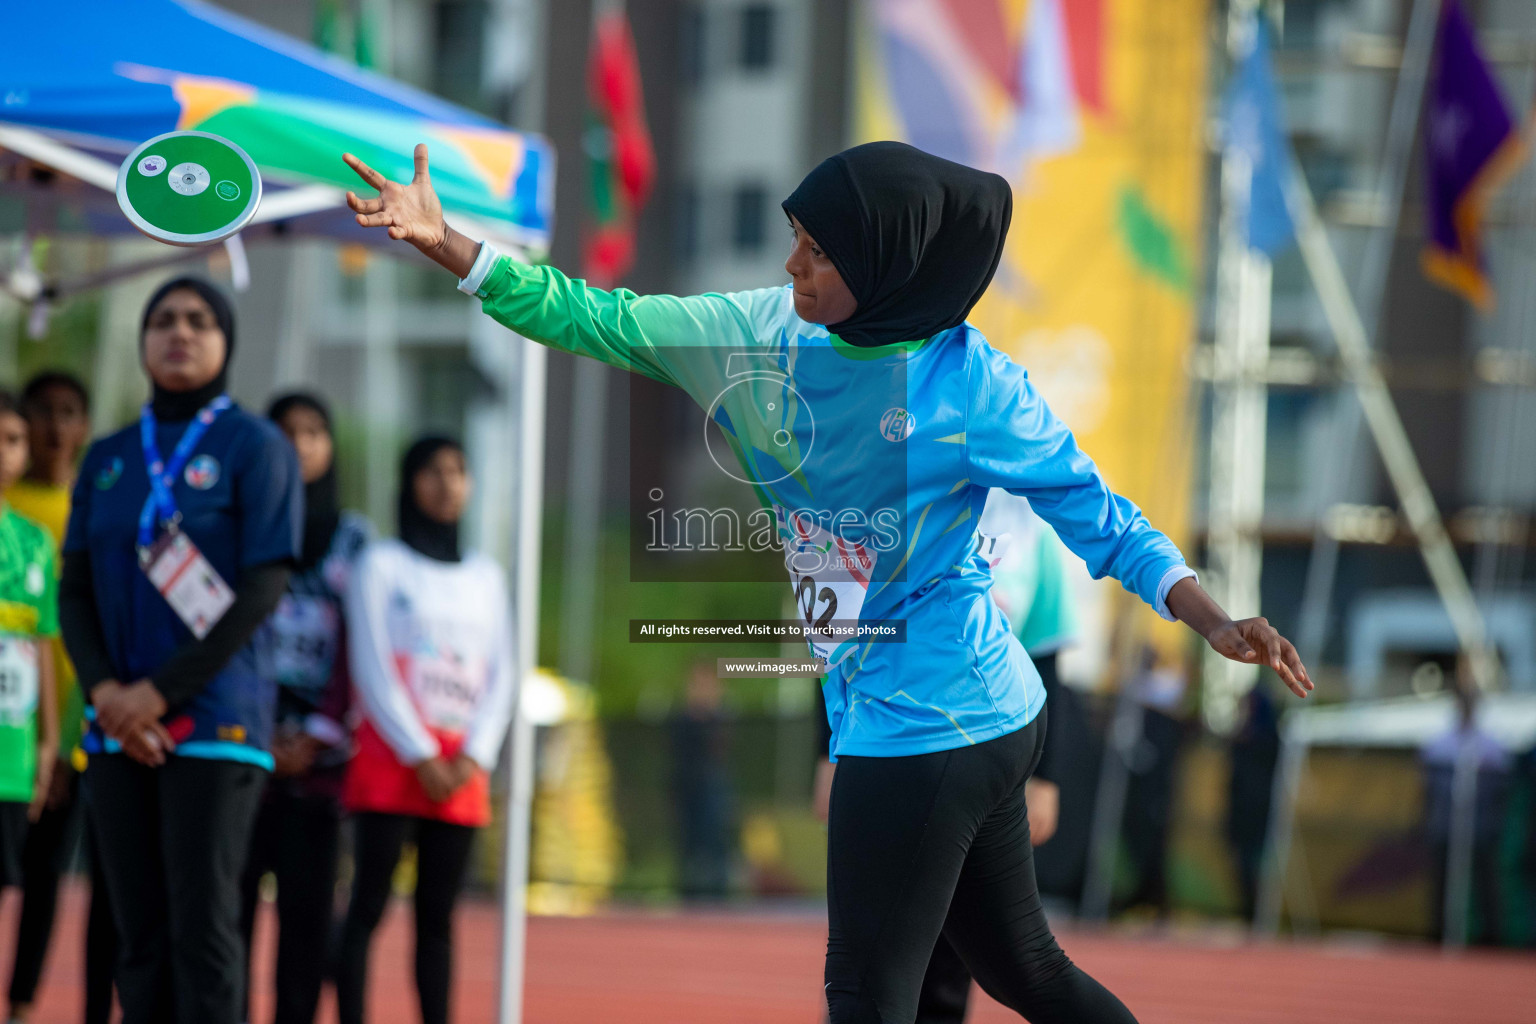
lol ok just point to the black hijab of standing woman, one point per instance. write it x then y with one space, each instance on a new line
916 238
322 501
177 406
419 531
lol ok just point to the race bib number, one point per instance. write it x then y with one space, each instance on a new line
190 585
830 578
18 680
993 548
446 689
304 631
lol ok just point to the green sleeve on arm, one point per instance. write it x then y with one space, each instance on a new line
647 334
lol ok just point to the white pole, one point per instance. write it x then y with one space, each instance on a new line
514 868
1239 421
1458 867
1387 429
530 372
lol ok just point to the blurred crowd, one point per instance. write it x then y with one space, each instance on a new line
207 666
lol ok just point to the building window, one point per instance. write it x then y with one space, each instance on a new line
757 28
751 204
690 45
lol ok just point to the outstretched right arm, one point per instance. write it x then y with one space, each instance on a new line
626 330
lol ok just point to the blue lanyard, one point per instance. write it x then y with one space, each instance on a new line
161 503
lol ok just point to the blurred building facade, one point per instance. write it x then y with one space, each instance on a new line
1461 380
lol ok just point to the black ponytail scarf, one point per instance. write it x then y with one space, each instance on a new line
322 504
418 530
915 237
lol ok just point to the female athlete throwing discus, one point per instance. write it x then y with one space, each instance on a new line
872 440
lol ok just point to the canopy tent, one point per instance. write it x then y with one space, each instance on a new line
84 82
80 88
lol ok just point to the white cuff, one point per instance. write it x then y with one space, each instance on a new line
1172 576
325 729
480 270
484 758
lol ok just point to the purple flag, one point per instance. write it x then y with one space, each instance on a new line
1471 145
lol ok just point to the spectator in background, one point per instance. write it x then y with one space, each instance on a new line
701 788
1159 689
1492 764
1030 585
1255 751
303 648
57 410
429 631
29 726
182 720
1527 772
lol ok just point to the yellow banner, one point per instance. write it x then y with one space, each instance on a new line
1094 110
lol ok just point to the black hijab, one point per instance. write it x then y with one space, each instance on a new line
322 506
171 406
916 238
418 530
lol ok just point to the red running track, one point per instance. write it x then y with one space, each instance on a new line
765 968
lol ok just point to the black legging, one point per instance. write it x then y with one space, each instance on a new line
296 838
442 855
173 842
939 842
946 992
43 860
42 867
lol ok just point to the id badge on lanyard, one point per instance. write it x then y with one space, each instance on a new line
188 582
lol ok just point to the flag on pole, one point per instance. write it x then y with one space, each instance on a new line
1471 146
1254 126
621 162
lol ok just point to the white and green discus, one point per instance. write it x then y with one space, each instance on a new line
188 188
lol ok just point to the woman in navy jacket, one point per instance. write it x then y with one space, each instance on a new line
183 531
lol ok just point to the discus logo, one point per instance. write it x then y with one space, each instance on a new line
763 417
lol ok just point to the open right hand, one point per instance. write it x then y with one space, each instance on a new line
411 213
